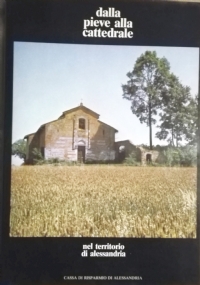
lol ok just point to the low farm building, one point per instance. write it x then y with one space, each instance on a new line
77 135
143 155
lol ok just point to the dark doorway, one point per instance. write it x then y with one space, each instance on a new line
81 153
121 153
122 156
148 158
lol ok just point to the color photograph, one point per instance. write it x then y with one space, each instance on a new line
104 141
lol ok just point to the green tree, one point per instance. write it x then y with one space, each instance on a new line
19 149
145 85
175 113
191 121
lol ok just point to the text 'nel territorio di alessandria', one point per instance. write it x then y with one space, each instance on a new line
103 250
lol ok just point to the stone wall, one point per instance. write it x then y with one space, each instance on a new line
124 149
142 155
148 156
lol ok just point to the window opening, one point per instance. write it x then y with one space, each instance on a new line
82 124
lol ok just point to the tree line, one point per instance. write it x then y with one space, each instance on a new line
156 94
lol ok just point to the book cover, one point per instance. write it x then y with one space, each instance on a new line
100 167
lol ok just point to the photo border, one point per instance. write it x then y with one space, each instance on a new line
165 261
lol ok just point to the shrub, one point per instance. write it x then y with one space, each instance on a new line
188 155
37 156
131 159
185 156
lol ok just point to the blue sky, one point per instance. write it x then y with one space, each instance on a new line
51 78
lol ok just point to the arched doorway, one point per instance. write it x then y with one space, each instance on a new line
81 152
148 158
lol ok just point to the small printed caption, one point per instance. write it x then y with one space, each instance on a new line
122 278
103 250
104 28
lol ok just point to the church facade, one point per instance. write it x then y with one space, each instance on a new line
77 135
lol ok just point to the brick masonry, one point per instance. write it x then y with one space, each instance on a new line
66 139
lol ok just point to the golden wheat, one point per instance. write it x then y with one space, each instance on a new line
103 201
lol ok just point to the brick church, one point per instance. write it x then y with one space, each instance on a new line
77 135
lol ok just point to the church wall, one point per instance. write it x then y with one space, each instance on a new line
63 136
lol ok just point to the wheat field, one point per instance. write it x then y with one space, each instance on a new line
103 201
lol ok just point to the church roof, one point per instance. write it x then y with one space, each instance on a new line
82 107
116 131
